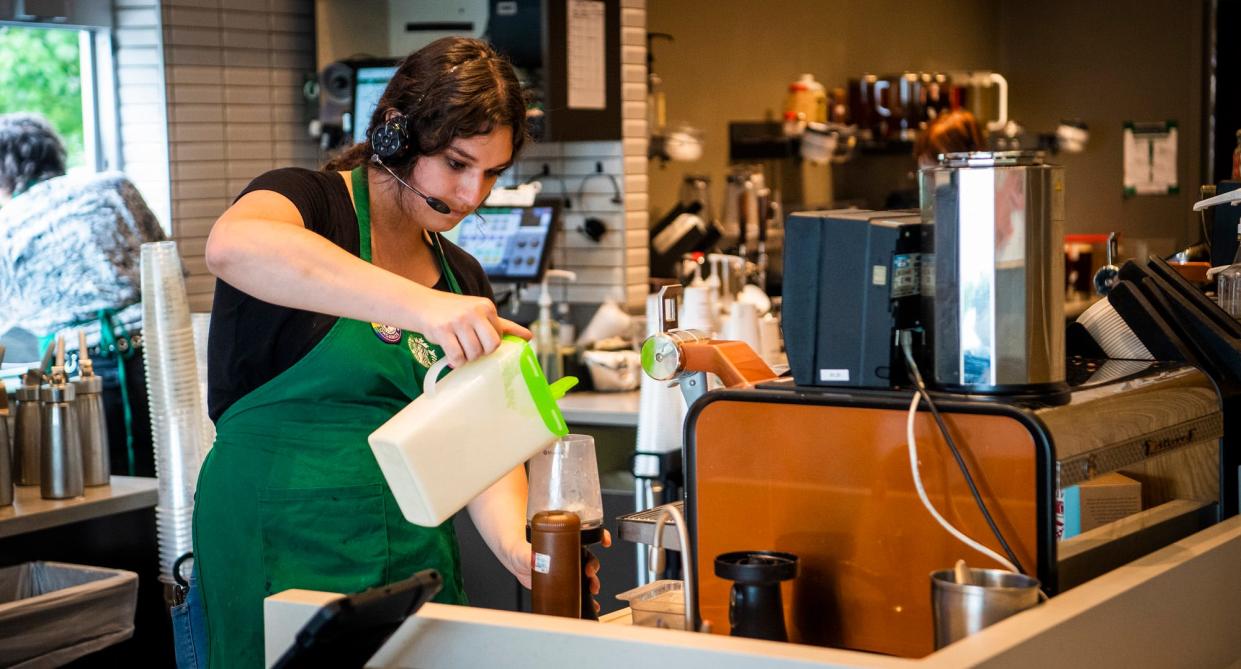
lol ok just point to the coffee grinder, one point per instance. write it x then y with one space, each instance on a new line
564 515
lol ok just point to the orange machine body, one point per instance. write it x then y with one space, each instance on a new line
826 476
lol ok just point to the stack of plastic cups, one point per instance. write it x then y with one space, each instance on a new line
179 426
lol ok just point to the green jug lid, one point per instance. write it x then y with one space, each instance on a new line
543 393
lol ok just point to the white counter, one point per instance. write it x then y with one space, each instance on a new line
590 408
1177 607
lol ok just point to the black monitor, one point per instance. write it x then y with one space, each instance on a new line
513 244
370 78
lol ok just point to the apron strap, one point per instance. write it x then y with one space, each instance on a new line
362 207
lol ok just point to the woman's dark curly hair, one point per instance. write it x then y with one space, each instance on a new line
453 87
30 152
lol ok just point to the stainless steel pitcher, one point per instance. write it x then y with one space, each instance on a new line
993 273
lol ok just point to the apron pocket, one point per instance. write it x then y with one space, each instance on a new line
329 539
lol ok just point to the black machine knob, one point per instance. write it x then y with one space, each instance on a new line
755 606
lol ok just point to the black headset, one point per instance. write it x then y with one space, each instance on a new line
391 139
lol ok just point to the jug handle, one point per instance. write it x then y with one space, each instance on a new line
433 376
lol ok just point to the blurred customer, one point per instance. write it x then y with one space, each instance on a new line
956 131
69 260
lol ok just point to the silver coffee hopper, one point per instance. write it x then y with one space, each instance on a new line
993 274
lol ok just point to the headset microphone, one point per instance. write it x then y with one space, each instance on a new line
432 202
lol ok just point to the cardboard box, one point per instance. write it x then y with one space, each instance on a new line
1100 501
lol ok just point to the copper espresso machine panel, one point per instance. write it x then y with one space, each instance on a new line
824 474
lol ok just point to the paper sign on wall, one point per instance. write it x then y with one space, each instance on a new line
586 55
1150 159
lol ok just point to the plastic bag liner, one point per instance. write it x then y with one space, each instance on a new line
52 613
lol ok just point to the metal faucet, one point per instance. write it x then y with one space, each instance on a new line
687 569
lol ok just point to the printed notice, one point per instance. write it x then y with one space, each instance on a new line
586 55
1150 159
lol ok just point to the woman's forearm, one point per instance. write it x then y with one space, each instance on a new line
499 513
291 266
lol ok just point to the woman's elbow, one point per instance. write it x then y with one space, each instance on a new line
220 252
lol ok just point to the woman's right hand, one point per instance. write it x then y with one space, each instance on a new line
465 327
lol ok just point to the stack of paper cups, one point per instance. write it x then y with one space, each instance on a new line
697 310
742 325
180 430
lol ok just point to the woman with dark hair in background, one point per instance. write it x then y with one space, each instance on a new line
69 261
30 152
337 291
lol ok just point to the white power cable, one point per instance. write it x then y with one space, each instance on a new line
913 467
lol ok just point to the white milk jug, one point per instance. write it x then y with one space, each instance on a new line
468 430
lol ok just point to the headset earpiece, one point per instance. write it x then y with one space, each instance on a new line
391 139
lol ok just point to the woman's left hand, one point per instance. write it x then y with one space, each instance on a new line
522 567
592 569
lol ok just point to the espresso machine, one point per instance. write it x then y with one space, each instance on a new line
838 462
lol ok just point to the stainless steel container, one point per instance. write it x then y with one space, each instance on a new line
61 470
6 451
993 273
92 425
92 430
992 595
27 430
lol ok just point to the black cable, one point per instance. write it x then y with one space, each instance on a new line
956 454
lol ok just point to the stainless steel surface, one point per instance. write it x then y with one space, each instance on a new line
1109 274
640 527
27 432
6 458
1162 409
61 453
993 279
961 610
6 448
92 431
675 513
92 424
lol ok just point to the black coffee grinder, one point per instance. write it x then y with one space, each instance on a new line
755 606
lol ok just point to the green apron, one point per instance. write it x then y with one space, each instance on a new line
290 495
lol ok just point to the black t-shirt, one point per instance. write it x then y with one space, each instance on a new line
253 341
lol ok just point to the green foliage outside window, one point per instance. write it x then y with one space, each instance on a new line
40 72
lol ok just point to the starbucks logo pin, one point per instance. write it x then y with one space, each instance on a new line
423 353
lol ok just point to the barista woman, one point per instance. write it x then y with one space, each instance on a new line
336 293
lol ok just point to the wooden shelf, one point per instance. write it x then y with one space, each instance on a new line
31 513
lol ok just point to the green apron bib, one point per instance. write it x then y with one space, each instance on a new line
290 495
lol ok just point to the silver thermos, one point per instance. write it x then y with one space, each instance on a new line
62 449
6 452
993 274
92 426
27 429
